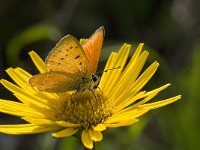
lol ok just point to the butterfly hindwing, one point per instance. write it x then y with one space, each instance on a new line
92 48
55 81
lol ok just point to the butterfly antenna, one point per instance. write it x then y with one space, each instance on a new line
112 69
94 94
108 70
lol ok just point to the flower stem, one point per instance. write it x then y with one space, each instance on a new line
86 148
89 149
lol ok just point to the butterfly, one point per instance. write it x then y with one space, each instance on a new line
72 65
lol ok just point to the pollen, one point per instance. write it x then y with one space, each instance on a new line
88 108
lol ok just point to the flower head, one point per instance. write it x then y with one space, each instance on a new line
118 101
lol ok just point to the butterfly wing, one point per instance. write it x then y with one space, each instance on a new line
92 48
71 65
55 82
68 56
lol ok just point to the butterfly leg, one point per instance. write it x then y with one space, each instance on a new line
93 94
100 90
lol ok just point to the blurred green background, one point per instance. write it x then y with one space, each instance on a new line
170 30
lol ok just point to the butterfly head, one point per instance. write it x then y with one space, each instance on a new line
95 81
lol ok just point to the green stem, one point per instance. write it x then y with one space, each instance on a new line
89 149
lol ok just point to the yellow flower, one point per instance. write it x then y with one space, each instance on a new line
118 101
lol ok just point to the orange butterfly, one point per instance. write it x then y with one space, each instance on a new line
72 65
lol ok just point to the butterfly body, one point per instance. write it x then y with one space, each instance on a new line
72 66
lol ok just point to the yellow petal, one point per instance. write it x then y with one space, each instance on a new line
126 81
95 135
147 96
129 101
25 129
144 78
126 115
87 141
18 109
27 98
158 89
35 101
135 87
150 95
39 63
67 124
39 121
124 123
134 59
82 41
105 76
22 82
21 77
43 109
160 103
99 127
65 133
22 73
114 75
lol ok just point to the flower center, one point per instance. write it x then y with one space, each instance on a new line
88 108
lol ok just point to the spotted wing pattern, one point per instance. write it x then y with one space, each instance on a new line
56 82
68 56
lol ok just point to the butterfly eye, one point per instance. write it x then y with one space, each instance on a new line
94 78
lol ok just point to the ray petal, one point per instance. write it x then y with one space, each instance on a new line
95 135
147 97
25 129
65 133
124 84
126 116
144 78
26 98
18 109
160 103
39 63
119 60
127 102
38 121
67 124
19 80
116 73
123 123
87 141
134 59
25 76
99 127
105 76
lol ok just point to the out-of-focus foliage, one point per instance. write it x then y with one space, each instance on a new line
29 36
170 31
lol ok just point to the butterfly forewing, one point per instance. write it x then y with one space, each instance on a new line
68 56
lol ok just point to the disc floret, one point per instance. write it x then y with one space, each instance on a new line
88 108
